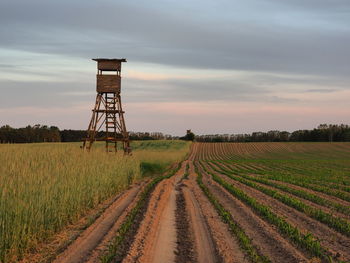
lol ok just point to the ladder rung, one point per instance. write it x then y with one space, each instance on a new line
109 111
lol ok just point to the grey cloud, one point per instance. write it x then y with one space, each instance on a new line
7 66
316 5
190 90
149 35
66 94
277 99
322 90
289 43
43 94
325 82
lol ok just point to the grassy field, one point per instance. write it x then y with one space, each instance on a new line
44 187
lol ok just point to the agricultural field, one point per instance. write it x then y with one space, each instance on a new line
290 199
213 202
46 187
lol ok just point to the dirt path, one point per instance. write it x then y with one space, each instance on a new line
159 239
164 246
226 245
80 249
155 240
204 245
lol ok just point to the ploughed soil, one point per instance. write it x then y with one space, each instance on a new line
338 245
178 223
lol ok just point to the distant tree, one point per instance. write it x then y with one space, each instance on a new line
189 136
323 133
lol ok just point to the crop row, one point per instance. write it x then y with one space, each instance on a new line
319 188
186 174
310 172
297 192
314 171
337 223
321 172
304 181
306 241
244 241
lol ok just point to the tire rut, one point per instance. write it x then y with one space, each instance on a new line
226 245
156 238
81 249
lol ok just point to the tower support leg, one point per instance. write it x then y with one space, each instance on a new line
108 112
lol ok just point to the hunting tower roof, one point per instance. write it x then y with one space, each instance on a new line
110 59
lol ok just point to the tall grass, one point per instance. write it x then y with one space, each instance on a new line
44 187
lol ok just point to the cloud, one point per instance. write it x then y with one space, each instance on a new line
321 90
6 66
166 37
44 94
317 6
228 55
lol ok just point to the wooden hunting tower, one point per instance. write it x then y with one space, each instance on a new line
108 108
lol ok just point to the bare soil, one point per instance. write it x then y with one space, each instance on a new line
91 238
155 240
185 240
226 245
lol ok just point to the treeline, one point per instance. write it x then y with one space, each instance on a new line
323 133
77 135
43 133
29 134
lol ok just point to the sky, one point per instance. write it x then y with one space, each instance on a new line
213 66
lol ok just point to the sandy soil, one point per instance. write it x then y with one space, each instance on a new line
203 242
80 250
226 245
156 238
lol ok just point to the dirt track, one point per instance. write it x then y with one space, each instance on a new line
180 224
91 242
